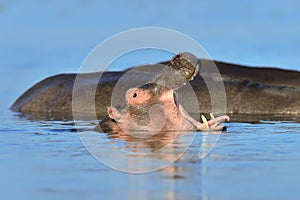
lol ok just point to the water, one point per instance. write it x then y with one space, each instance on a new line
47 160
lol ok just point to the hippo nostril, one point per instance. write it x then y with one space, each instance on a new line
135 95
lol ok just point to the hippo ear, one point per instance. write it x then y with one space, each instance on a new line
113 113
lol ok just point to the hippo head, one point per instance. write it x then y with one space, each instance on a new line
147 108
153 106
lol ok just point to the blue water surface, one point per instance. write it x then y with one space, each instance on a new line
47 160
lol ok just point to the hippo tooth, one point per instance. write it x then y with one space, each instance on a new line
204 121
211 116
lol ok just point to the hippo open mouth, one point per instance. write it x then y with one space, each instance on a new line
154 107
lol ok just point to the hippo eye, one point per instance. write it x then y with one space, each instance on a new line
134 95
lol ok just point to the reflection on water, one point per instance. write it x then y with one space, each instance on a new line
141 142
138 152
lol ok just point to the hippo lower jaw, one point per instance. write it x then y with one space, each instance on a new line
214 124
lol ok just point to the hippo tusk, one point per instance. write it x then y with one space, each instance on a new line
211 116
205 121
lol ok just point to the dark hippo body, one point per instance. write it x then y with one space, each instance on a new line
249 90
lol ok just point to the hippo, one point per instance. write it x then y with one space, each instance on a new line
153 107
250 91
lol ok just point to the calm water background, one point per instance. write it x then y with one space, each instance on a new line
46 159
